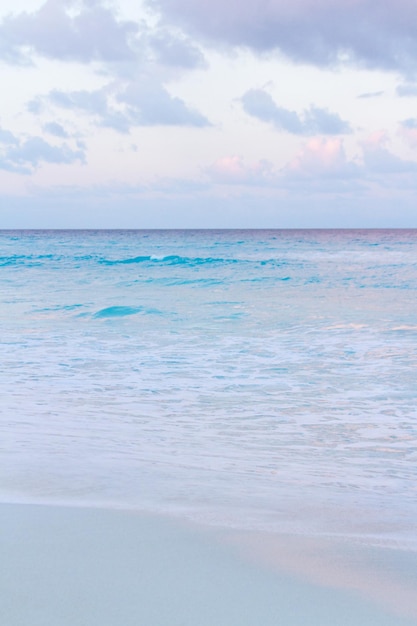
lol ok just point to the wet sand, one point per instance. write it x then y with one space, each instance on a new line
95 567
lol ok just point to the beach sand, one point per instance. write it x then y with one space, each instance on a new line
63 566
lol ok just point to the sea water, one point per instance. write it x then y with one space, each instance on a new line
262 380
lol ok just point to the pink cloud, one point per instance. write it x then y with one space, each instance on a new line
322 157
376 140
408 132
379 160
233 170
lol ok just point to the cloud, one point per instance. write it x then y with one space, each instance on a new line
55 129
92 34
6 137
140 57
35 106
148 103
258 103
122 105
320 164
376 140
408 131
24 157
232 170
330 32
407 90
88 31
92 103
378 160
370 94
173 50
322 157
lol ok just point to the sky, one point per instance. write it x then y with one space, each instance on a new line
198 114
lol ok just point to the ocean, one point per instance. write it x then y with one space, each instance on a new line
261 380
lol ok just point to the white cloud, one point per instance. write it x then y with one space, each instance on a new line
370 94
149 103
90 67
7 138
24 156
330 32
123 105
91 34
141 58
174 50
55 129
408 131
407 90
314 121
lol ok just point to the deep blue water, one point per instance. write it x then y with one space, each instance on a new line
263 379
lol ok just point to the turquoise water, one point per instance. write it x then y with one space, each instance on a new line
253 379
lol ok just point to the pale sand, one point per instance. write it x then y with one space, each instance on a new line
90 567
383 574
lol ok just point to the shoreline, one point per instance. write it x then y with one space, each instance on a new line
384 574
95 566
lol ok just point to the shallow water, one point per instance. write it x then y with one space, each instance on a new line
257 379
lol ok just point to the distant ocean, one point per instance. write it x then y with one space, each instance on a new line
251 379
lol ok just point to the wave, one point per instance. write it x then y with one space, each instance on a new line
152 259
59 307
123 311
175 259
27 259
172 259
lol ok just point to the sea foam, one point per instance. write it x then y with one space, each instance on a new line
255 379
